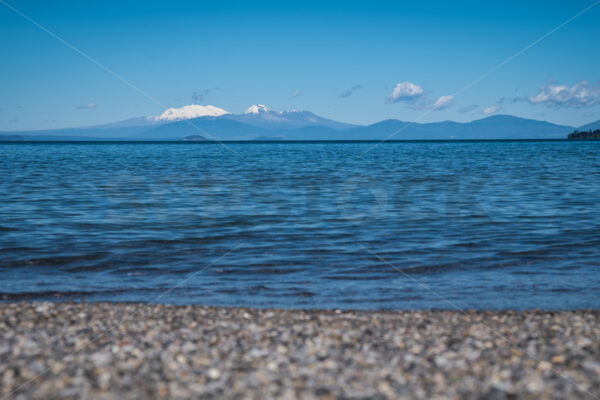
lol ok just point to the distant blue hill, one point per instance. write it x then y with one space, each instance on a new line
91 133
495 127
590 127
303 125
209 127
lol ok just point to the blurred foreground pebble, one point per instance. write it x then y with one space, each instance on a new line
131 351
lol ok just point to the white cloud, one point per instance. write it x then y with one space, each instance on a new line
582 94
295 94
443 102
491 110
87 106
188 112
405 91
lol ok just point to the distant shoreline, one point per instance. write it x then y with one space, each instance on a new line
585 135
279 141
133 350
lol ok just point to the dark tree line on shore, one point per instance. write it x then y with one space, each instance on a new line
585 134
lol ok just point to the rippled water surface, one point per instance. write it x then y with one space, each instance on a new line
323 225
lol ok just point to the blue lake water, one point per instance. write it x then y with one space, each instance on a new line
405 225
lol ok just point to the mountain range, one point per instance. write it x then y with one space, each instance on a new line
260 123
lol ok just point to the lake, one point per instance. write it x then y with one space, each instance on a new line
355 225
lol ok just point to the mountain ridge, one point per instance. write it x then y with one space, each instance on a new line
260 122
592 126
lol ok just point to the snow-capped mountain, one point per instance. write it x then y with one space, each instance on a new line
189 112
261 116
257 115
257 109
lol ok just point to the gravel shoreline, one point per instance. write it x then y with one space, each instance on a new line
130 351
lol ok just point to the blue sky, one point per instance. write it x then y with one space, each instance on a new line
358 62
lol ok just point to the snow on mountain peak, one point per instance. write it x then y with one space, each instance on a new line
188 112
257 109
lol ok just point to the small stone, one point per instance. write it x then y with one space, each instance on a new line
591 365
557 359
544 366
100 359
213 373
282 349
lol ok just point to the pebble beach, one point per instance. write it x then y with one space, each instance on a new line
134 350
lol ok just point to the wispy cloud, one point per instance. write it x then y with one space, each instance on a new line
467 109
351 91
87 106
582 94
295 94
443 102
405 91
491 110
200 95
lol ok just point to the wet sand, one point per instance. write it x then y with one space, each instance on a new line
130 351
